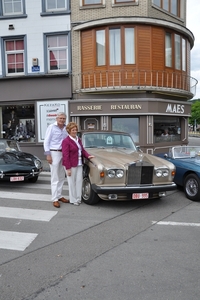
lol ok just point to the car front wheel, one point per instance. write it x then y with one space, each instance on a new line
192 187
88 195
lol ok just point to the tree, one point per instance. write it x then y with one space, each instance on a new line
195 113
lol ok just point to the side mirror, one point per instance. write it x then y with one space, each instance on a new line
79 134
139 149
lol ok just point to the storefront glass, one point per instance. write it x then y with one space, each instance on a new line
127 124
167 129
18 123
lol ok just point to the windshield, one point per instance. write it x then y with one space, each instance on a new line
9 146
108 140
185 151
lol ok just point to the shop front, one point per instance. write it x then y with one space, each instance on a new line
28 106
152 123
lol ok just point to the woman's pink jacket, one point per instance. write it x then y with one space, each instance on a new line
70 152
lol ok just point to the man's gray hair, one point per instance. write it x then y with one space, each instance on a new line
61 114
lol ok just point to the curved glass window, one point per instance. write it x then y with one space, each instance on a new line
127 124
167 129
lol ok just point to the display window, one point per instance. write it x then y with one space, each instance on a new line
126 124
18 123
167 129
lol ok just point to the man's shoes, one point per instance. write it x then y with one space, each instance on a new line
56 204
63 200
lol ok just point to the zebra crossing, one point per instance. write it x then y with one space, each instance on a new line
29 192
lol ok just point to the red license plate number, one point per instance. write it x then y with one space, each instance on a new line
140 196
17 178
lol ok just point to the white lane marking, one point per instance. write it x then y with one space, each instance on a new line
27 214
176 223
37 186
19 241
25 196
46 173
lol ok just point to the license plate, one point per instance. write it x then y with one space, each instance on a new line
140 196
17 178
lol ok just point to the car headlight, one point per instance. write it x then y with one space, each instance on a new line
38 163
158 173
162 173
115 173
165 173
111 173
119 173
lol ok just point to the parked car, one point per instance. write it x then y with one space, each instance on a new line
120 171
187 162
16 165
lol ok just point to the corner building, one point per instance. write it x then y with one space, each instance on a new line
131 69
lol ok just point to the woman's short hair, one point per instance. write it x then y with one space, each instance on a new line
71 125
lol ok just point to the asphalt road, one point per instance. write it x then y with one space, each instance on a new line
137 250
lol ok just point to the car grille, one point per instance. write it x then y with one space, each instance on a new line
140 173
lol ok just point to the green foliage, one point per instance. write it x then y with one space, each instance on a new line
195 113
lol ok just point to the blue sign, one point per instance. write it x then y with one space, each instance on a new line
35 68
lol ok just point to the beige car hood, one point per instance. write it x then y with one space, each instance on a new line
119 157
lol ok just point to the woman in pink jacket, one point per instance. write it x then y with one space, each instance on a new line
73 153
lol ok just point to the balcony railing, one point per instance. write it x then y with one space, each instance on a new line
115 80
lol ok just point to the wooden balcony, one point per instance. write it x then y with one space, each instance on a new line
135 80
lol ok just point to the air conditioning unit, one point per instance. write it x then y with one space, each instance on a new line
35 61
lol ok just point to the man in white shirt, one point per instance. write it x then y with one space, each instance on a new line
54 136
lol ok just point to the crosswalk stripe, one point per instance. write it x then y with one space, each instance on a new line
27 214
19 241
25 196
176 223
38 186
45 173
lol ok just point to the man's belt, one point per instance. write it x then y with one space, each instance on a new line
59 150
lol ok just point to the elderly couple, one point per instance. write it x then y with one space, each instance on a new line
64 152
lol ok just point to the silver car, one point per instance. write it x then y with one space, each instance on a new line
119 171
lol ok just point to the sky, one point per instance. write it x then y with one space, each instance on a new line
193 24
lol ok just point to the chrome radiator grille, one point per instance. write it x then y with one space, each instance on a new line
140 173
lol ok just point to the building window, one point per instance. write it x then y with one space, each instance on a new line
167 129
177 52
100 47
128 124
183 54
115 46
92 2
129 46
56 5
175 57
172 6
124 1
14 56
57 48
12 7
168 50
119 43
19 123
